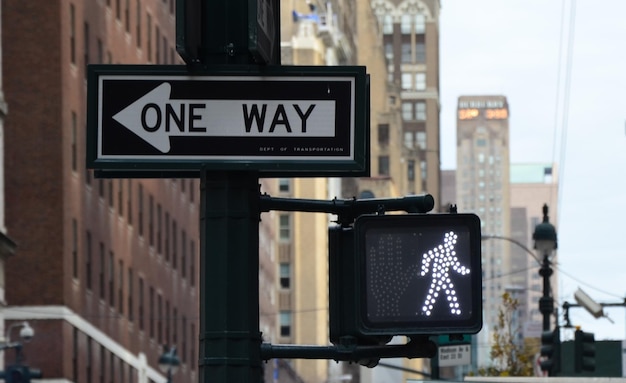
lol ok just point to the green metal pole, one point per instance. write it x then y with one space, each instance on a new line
230 341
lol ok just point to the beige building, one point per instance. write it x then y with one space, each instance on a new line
404 147
482 184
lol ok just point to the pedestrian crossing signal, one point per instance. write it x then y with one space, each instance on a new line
415 274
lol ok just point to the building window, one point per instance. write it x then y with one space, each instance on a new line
420 52
383 165
110 187
151 220
101 271
74 356
118 10
130 202
183 254
149 36
284 227
420 81
151 312
407 81
411 170
74 142
383 134
89 361
138 24
72 34
420 138
285 323
167 237
111 279
159 228
420 111
419 22
86 44
74 248
88 261
120 198
159 315
127 15
406 24
284 185
140 213
141 305
285 275
157 44
192 263
407 111
389 50
387 24
130 295
174 245
184 343
408 140
120 287
406 57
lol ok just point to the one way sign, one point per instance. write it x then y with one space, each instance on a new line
286 120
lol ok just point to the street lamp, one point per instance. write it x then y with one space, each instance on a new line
169 362
545 243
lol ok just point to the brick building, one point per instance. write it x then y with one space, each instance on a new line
107 271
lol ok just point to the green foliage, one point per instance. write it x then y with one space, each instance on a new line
508 356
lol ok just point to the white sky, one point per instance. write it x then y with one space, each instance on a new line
511 48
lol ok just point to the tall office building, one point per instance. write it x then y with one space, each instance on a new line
410 37
482 184
107 271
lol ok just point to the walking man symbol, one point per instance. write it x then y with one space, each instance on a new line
438 262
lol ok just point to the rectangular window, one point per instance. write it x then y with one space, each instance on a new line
159 315
174 244
285 323
383 165
192 349
383 134
284 185
420 138
411 170
407 80
102 364
284 227
405 23
406 57
157 44
110 187
420 52
408 140
130 295
151 220
140 214
167 237
168 322
88 261
192 263
74 248
285 275
419 23
74 142
118 10
130 202
387 24
151 312
407 111
111 279
184 343
120 287
120 198
89 361
138 24
127 15
102 270
183 254
389 51
420 111
149 36
72 34
86 47
100 47
159 228
141 305
420 81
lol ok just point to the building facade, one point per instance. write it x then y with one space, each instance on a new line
107 272
482 185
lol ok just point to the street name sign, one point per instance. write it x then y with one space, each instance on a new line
457 355
281 121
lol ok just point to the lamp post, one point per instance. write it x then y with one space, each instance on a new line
545 243
169 362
